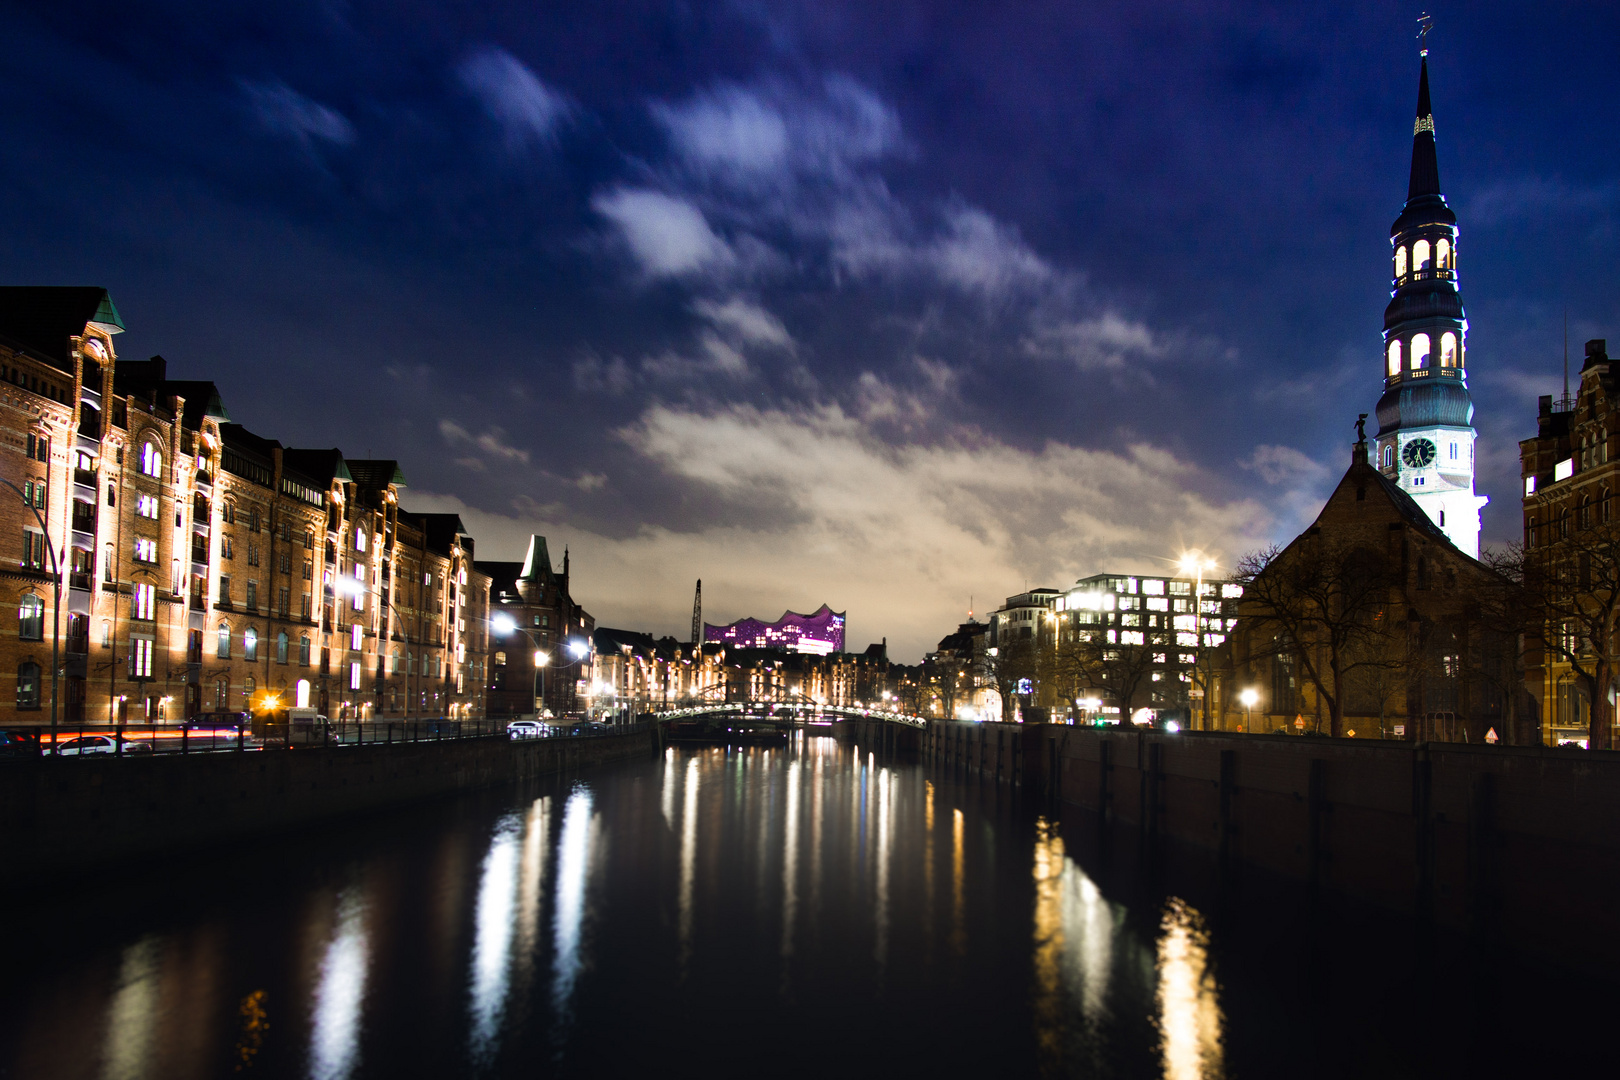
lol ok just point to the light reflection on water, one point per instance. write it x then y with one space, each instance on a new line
705 880
340 992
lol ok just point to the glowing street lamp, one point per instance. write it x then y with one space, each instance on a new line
1249 696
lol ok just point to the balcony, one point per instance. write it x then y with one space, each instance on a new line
205 481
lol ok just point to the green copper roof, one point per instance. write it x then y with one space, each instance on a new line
106 317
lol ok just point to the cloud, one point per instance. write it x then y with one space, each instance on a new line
900 534
667 235
285 111
747 320
492 442
527 110
1536 196
1103 342
978 254
1285 465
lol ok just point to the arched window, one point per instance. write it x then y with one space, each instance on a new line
250 644
303 650
281 647
1389 456
1420 351
1400 263
112 495
1584 517
301 695
1530 532
27 685
31 618
1442 254
151 459
1448 349
1395 356
224 649
1420 255
394 666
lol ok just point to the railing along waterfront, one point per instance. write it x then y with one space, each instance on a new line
147 741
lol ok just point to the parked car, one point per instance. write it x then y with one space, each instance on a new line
220 721
82 745
526 729
19 744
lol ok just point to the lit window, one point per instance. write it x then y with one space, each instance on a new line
303 649
1442 254
354 675
1420 351
147 506
359 540
223 651
281 647
1420 255
140 657
1448 349
1395 357
146 551
31 618
354 637
151 460
1400 262
145 601
250 644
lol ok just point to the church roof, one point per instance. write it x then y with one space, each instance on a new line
1425 205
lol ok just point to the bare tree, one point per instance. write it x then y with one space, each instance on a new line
1327 606
948 681
1120 672
1006 665
1571 588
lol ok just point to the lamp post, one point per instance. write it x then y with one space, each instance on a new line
503 624
1248 697
56 602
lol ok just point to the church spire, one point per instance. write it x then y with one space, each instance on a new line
1425 178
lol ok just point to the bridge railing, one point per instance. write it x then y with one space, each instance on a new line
787 710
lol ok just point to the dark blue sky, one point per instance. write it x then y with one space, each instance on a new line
887 305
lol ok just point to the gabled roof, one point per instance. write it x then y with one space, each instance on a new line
375 472
537 560
39 319
202 401
321 466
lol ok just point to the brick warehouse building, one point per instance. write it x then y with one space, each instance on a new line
192 549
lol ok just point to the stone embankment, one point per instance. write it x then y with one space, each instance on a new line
73 817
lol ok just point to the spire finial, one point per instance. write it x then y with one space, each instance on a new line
1425 24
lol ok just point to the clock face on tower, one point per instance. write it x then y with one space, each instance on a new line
1418 453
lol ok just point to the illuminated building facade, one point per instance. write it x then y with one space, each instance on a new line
821 632
533 611
1426 417
204 567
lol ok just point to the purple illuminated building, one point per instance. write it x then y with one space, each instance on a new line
821 632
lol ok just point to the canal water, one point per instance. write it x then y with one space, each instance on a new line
803 911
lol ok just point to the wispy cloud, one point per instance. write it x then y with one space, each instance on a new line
527 109
492 442
668 236
286 112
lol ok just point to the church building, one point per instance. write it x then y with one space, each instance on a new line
1426 435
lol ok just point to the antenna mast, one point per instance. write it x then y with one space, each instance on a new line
1563 403
697 617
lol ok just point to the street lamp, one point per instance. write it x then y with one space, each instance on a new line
1248 697
56 605
503 624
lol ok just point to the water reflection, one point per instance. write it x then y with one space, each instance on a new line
132 1019
688 859
493 935
1189 1012
340 993
573 870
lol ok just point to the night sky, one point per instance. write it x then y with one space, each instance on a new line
891 306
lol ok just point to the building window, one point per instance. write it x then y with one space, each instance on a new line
1394 367
145 602
146 550
227 550
252 595
393 666
1448 349
248 686
33 549
151 463
224 588
27 685
39 447
223 651
253 553
1389 456
309 540
140 657
1442 254
1420 255
283 601
222 693
31 618
354 675
146 506
305 606
309 570
354 637
303 650
281 647
1400 263
250 644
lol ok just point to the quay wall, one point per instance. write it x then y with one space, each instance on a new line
78 816
1520 842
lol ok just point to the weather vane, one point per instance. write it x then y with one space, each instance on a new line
1425 24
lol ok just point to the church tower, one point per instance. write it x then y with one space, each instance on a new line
1426 417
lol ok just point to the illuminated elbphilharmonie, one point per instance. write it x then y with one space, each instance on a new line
820 632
